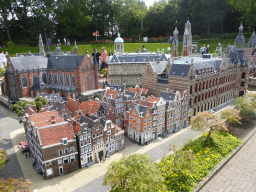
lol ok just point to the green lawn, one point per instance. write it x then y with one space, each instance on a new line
128 47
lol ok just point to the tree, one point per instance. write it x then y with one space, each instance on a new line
231 116
105 72
246 106
138 172
207 120
19 108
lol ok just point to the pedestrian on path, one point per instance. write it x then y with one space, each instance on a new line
26 155
104 57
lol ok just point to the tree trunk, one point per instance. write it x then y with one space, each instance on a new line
209 135
222 27
209 28
8 32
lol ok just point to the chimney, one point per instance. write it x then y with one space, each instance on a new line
53 119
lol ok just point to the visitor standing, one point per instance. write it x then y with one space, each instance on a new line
207 49
216 50
96 58
65 41
59 41
2 56
138 50
201 49
68 42
144 50
104 57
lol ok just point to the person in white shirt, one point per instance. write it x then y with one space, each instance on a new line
2 59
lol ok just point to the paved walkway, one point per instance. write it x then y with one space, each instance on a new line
239 174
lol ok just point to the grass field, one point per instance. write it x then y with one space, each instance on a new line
128 47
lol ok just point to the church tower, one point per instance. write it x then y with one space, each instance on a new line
75 49
188 26
185 50
175 44
41 46
240 41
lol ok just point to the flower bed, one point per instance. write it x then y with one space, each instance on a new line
184 175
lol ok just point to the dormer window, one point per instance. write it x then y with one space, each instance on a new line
64 141
85 130
79 112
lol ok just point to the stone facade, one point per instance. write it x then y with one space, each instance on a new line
52 143
127 69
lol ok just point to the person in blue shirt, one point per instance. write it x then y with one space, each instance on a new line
144 50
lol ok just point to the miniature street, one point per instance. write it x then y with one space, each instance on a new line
77 180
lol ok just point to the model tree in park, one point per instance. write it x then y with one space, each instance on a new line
19 108
231 116
138 172
246 106
205 121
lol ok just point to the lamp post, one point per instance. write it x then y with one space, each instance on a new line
160 139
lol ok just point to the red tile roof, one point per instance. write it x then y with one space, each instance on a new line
48 122
138 90
44 116
145 103
151 99
53 135
71 105
30 111
110 91
90 107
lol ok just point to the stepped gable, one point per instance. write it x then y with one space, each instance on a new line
53 134
65 62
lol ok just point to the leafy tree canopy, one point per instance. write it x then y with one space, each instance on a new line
138 172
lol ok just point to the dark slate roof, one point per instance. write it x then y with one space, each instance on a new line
84 119
65 62
29 62
127 98
141 109
181 70
240 38
132 94
236 56
102 122
104 104
116 87
252 41
166 96
137 58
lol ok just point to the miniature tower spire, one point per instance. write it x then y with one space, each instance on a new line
75 49
41 46
175 45
185 43
240 41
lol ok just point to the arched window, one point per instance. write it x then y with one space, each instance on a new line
34 78
44 78
55 79
67 80
73 80
24 81
50 78
61 79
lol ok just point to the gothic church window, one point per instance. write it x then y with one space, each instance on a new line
50 79
67 80
24 81
55 79
34 78
73 80
44 78
61 79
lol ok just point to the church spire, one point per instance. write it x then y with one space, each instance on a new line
41 46
240 40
